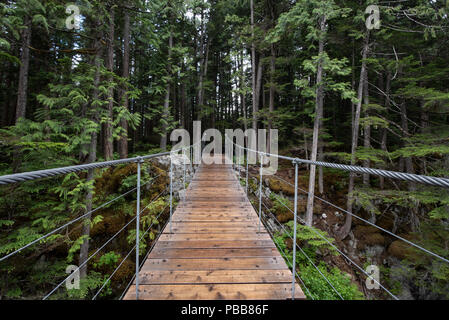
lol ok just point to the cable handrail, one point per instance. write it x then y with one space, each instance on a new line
370 223
39 174
423 179
27 176
91 256
355 264
302 251
263 204
73 221
143 261
129 253
338 250
286 258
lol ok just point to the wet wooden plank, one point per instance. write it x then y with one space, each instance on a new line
214 276
164 253
214 249
250 263
216 244
251 291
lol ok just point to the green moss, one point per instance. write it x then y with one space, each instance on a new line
279 186
399 249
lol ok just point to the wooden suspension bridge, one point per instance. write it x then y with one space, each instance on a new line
215 250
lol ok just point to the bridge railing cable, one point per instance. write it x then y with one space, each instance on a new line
423 179
302 251
337 249
40 174
296 162
143 261
289 261
371 224
129 253
104 245
281 251
167 224
73 221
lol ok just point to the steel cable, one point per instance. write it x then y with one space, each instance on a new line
296 273
129 253
434 181
73 221
286 258
372 224
349 259
91 256
143 262
33 175
302 251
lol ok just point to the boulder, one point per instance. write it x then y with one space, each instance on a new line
399 249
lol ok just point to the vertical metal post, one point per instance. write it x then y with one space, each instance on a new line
239 160
139 161
294 229
246 173
260 191
171 191
184 159
191 159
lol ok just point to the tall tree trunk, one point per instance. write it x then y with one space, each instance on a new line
258 90
272 93
366 130
320 169
253 67
23 86
182 105
166 112
84 250
344 231
242 95
383 144
108 144
23 73
316 126
123 141
407 161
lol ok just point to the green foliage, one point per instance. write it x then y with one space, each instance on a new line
108 259
320 288
314 246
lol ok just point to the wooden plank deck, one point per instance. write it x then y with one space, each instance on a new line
215 250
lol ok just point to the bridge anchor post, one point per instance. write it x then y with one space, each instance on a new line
139 162
260 190
246 185
171 192
295 214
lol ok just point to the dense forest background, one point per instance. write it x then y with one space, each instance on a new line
132 71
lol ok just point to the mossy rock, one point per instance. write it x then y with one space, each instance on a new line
112 178
368 236
110 225
363 231
373 239
126 270
289 243
386 222
285 216
399 249
279 186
